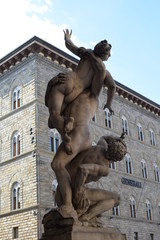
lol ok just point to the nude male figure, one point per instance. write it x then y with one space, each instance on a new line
82 109
91 165
64 88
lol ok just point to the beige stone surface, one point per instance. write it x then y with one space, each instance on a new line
86 233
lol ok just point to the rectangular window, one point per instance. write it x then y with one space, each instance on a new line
131 210
14 105
19 147
14 149
151 236
15 232
52 144
18 98
135 235
127 167
14 203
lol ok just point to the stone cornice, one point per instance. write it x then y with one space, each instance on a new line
37 45
138 99
21 210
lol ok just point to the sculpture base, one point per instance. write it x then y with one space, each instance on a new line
83 233
58 228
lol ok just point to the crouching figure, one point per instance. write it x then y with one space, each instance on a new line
90 165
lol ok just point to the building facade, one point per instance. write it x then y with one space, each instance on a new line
27 147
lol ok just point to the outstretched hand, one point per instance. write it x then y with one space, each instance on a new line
109 108
67 34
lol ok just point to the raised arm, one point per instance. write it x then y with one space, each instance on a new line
111 89
70 45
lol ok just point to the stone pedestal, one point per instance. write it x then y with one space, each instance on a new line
83 233
58 228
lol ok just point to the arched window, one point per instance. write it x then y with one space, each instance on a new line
140 132
132 208
152 137
116 211
16 196
144 169
16 144
128 164
54 140
112 165
16 98
108 118
125 125
156 173
148 210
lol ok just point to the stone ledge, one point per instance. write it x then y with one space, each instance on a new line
18 211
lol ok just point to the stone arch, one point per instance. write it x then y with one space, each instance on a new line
15 178
149 197
151 126
15 83
125 113
139 120
133 193
17 128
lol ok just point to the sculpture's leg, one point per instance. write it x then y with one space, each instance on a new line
55 102
61 160
58 197
58 164
101 201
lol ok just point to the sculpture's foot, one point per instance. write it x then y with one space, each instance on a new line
69 125
80 212
94 222
69 212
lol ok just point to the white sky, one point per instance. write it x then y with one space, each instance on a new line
131 26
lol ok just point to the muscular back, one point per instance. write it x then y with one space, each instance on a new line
82 80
